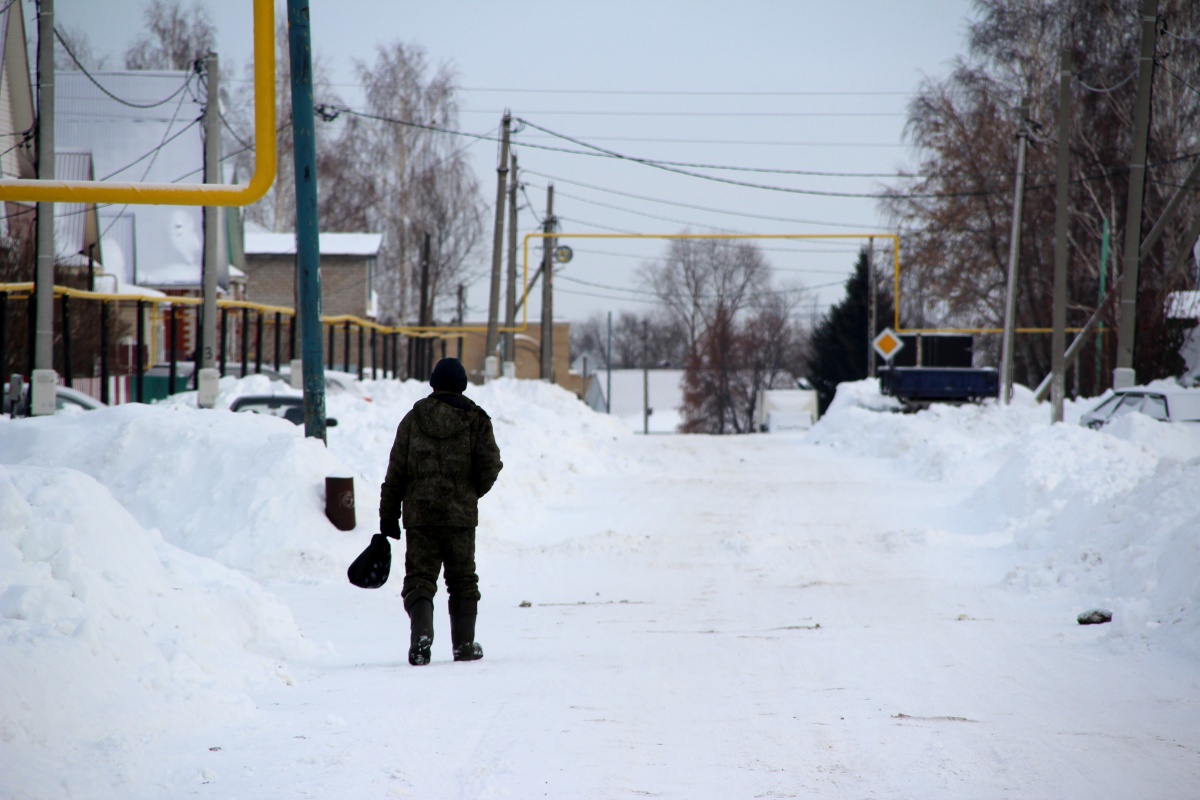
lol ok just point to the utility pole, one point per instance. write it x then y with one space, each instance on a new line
608 360
645 379
1062 218
872 292
1124 374
491 365
210 376
547 372
510 301
308 247
44 380
460 311
424 315
1014 256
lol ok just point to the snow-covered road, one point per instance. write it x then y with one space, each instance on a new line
884 607
741 617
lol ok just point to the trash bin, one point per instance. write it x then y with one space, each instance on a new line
339 502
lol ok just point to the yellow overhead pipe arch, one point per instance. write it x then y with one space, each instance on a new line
202 194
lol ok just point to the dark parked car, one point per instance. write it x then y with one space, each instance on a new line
289 407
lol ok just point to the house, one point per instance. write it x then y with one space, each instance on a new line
17 118
347 270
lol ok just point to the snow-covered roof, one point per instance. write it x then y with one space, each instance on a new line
332 244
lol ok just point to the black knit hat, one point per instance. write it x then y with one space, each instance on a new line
449 376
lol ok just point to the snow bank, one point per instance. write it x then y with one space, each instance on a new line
101 621
135 542
1110 513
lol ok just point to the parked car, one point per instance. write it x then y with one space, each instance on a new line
289 407
336 382
1162 402
66 399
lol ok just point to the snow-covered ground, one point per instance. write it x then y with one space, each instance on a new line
882 607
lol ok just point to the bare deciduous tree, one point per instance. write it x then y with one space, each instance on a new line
175 37
957 205
700 279
80 46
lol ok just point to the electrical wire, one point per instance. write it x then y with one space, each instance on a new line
746 184
1178 77
658 200
1110 89
685 93
155 151
101 87
714 114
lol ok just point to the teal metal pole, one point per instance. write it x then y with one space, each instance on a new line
308 250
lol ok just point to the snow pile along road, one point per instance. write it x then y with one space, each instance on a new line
1110 513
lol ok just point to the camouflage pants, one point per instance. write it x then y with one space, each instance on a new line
429 547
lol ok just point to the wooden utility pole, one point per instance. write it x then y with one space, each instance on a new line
1014 257
547 371
425 314
510 301
460 311
872 293
1062 219
491 365
208 376
43 378
1124 374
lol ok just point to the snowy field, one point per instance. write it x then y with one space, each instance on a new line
883 607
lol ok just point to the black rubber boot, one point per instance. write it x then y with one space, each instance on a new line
420 615
462 630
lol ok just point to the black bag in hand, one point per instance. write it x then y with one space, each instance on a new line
370 570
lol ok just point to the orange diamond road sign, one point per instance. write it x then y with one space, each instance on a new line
887 344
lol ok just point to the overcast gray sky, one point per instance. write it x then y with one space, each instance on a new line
799 85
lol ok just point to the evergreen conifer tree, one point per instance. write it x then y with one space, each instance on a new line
838 349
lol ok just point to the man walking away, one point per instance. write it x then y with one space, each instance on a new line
443 460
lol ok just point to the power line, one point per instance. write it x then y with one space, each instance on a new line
155 151
664 202
744 142
746 184
716 114
802 270
1110 89
687 93
334 110
61 40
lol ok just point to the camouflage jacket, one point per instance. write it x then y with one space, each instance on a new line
443 460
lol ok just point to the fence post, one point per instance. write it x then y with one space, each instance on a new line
278 338
292 337
197 355
346 346
258 323
3 333
104 351
245 331
68 374
140 371
332 333
360 352
224 336
374 340
173 334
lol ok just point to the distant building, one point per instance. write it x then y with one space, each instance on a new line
347 270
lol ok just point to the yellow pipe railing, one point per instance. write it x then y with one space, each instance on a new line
195 194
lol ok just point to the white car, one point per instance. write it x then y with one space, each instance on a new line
66 399
1162 402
